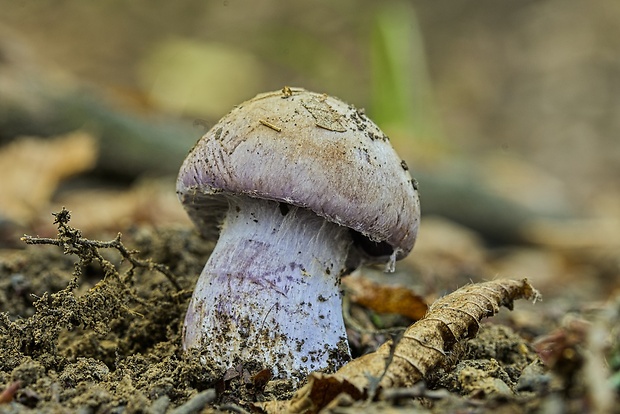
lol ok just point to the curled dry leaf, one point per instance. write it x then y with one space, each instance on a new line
385 299
422 346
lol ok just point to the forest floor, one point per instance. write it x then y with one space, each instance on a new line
86 331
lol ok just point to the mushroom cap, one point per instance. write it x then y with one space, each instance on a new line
308 150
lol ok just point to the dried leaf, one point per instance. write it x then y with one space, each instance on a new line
423 345
559 349
385 299
31 169
148 201
261 378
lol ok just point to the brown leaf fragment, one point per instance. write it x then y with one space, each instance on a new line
559 350
324 115
261 378
423 346
321 390
7 395
385 299
31 169
147 202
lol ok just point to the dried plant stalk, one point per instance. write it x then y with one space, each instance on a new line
421 347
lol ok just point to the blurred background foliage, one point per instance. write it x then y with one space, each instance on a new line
507 112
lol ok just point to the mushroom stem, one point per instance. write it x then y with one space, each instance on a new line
270 292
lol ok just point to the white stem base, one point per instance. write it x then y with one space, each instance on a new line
270 293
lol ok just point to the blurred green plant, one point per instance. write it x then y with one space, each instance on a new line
402 97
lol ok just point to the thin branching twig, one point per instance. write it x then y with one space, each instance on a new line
72 242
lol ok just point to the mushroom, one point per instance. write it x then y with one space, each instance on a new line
304 188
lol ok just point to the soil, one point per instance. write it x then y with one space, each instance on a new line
92 333
104 340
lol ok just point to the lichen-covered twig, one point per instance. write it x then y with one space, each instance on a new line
96 309
72 242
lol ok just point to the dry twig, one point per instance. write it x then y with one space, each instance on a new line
72 242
